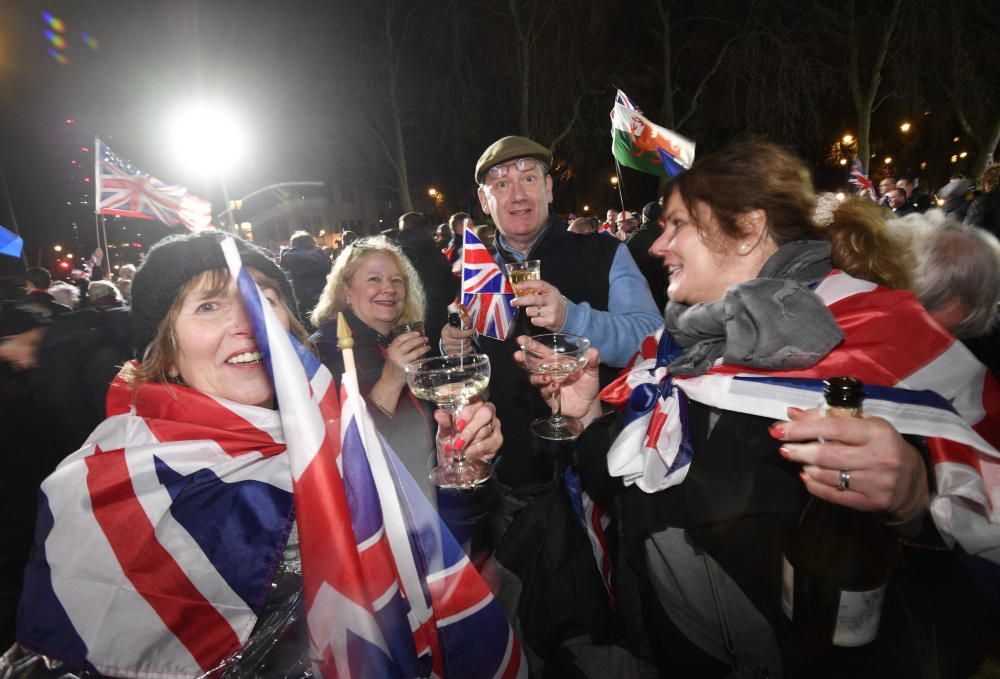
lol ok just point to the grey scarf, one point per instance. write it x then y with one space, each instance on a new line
774 321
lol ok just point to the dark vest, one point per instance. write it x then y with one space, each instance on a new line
579 266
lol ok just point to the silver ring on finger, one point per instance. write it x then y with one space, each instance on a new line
844 482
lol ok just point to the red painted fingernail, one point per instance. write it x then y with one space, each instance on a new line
447 448
776 431
460 425
459 443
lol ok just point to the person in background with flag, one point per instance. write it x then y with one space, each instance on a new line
168 545
590 286
764 304
374 284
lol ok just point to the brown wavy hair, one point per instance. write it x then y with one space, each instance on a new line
761 176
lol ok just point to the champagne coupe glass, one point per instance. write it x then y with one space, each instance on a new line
557 355
451 382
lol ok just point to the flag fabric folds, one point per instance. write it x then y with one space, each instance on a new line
10 243
125 191
935 389
644 146
486 292
158 541
388 591
860 180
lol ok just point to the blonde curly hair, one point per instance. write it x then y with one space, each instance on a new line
334 299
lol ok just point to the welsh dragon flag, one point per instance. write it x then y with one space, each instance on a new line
644 146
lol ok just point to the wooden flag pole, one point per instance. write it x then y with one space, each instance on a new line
345 342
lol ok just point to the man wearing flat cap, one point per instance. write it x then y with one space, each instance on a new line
590 286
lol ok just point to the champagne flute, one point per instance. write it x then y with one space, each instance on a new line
557 355
451 382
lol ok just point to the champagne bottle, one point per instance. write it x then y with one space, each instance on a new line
836 560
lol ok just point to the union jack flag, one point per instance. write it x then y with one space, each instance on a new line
125 191
486 292
935 389
158 541
600 528
860 180
622 99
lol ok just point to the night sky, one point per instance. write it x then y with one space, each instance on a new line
298 74
262 58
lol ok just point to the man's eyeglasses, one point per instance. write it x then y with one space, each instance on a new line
522 164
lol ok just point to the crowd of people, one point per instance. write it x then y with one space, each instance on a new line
738 267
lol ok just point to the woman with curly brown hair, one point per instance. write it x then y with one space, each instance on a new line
771 291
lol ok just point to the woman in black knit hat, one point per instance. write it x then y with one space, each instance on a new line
167 545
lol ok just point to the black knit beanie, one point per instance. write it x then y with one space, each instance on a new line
174 261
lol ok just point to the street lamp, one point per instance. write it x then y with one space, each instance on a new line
887 160
57 248
843 161
209 141
614 181
905 127
432 192
847 139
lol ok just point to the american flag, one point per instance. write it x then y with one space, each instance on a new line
158 541
934 389
486 292
860 180
125 191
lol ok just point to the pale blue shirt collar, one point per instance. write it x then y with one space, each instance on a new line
512 254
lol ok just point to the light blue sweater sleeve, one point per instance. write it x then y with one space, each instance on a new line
632 314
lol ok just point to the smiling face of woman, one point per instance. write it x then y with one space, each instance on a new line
376 293
701 263
217 352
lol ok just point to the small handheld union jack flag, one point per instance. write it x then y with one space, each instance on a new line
860 180
486 292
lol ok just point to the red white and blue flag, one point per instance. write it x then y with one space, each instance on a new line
125 191
486 292
158 540
934 389
600 528
860 180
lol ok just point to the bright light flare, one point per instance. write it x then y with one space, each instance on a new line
847 139
905 127
208 139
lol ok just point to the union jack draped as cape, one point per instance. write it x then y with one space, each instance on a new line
158 540
916 376
486 292
125 191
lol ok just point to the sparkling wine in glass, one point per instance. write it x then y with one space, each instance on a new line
557 355
521 272
451 382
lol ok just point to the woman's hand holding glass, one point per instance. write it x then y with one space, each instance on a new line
886 474
476 431
578 392
404 349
